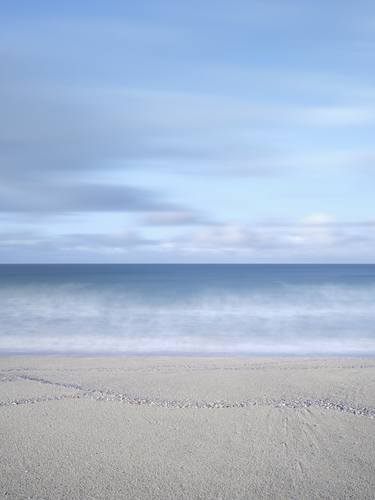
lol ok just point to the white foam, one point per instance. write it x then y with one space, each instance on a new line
301 319
199 345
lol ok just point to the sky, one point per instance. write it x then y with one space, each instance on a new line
187 132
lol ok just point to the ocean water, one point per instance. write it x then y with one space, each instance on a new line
188 309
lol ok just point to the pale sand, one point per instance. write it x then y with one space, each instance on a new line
206 428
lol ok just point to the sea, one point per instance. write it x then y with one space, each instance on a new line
173 309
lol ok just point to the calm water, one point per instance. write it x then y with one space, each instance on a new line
227 309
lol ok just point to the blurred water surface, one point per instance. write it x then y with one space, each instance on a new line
187 309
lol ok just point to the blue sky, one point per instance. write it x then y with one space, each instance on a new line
187 132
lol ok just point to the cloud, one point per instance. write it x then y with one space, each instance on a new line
68 147
20 239
52 129
314 239
93 107
117 242
174 218
79 197
31 246
224 236
318 219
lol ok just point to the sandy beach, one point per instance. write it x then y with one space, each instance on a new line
230 428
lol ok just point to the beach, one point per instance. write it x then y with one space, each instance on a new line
186 427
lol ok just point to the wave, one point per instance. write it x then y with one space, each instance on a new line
95 344
289 319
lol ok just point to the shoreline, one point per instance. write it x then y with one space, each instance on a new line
182 354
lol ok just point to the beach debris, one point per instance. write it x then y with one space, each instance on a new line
109 395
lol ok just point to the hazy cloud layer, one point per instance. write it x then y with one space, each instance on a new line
314 239
80 197
175 218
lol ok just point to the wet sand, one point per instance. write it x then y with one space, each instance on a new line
197 428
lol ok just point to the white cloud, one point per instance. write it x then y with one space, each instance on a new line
317 238
224 236
318 219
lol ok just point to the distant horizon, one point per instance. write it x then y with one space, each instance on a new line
188 263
